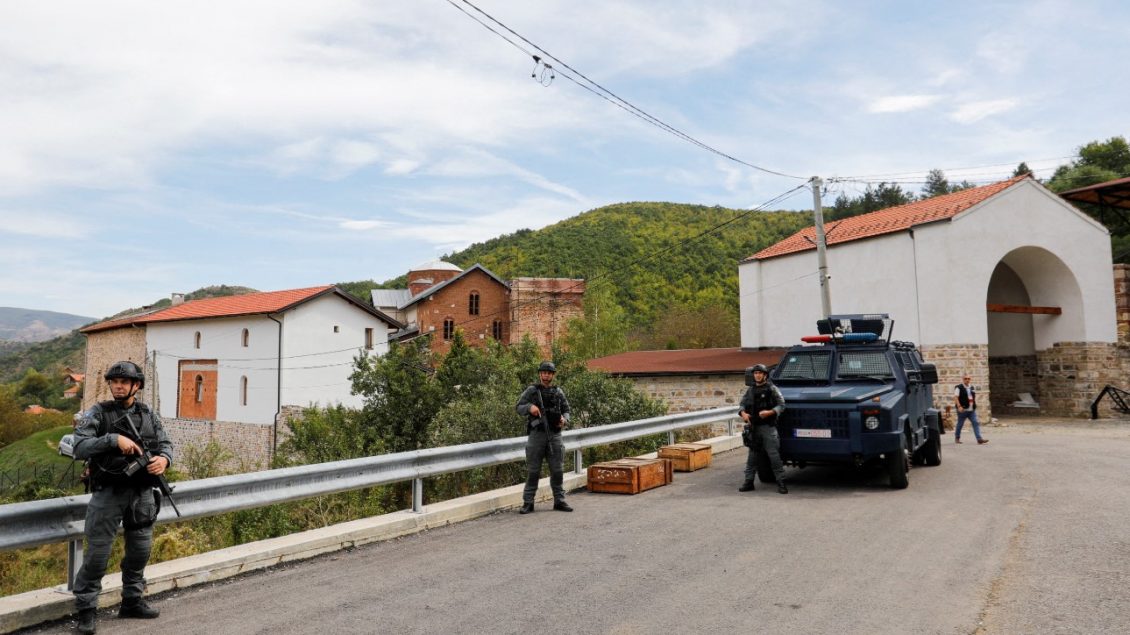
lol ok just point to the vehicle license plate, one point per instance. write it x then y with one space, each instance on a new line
813 434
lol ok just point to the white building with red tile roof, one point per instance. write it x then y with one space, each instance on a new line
1003 281
242 358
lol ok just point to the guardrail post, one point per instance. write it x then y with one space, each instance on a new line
670 437
730 427
577 467
418 495
74 561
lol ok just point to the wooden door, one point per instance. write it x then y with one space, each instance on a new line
196 398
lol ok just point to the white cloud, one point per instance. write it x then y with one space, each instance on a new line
42 225
400 167
978 110
363 225
901 103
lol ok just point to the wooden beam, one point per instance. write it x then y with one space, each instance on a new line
1016 308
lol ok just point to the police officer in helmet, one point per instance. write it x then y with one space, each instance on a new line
123 492
760 408
547 413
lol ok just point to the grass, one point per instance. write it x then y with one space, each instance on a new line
41 448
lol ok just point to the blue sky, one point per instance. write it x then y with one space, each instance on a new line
153 147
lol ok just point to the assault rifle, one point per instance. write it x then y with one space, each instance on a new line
146 457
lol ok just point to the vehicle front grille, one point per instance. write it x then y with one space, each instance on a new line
816 419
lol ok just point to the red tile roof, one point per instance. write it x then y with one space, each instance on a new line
887 221
228 306
703 361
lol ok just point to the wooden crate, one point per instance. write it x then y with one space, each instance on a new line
629 476
668 466
687 457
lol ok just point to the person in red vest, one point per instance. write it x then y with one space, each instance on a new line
965 399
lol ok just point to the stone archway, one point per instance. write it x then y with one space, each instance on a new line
1035 326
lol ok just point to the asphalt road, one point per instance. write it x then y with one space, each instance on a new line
1028 534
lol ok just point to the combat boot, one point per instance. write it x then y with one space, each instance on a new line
138 609
747 486
87 621
781 489
527 508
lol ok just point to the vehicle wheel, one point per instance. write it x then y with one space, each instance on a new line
898 466
932 449
764 470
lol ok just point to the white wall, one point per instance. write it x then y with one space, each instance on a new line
934 281
220 339
780 297
317 361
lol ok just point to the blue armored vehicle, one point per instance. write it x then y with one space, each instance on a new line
853 396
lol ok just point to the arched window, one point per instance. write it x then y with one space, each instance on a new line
243 389
245 338
199 388
448 329
196 340
496 329
473 303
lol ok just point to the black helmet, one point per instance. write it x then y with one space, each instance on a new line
759 368
547 367
126 370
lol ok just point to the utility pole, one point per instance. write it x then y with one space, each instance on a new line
821 248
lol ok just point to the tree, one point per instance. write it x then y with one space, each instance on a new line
1021 169
1098 161
712 326
873 199
936 184
401 397
37 388
604 328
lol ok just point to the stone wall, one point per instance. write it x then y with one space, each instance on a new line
1122 302
250 444
687 393
953 361
103 348
542 308
1073 373
1010 376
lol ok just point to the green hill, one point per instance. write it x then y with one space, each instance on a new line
652 253
40 448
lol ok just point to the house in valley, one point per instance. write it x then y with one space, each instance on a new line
235 363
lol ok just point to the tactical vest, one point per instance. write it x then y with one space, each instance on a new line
762 400
109 468
967 397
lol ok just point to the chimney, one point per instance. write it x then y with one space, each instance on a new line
418 285
177 298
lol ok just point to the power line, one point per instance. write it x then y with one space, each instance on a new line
597 89
772 201
914 173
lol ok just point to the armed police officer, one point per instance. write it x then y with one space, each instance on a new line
760 407
547 413
116 437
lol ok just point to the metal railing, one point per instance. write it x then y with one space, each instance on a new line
62 519
1120 397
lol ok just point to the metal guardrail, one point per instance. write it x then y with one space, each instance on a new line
62 519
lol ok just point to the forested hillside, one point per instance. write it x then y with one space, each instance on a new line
658 256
